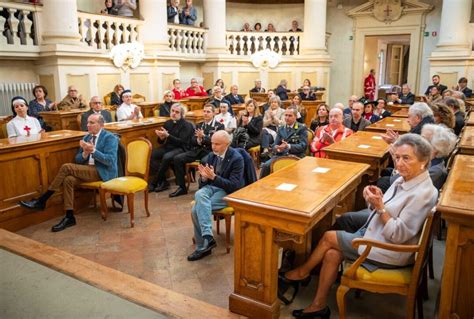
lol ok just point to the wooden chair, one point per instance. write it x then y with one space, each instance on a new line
282 162
135 179
108 99
255 154
408 281
3 126
189 176
310 139
137 98
79 121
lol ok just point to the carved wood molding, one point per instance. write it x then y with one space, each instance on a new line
280 236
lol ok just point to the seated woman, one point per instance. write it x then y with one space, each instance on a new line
252 121
272 119
380 110
165 108
326 135
369 112
321 117
296 103
443 115
395 218
40 104
219 83
22 124
224 117
115 96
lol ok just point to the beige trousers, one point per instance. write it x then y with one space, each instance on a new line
71 175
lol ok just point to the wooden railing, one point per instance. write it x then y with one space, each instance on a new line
106 31
186 39
247 43
18 27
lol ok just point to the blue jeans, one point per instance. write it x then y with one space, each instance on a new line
207 199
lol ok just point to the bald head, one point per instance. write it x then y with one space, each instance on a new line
335 118
220 142
339 106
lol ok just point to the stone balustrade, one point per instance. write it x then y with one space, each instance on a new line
18 27
186 39
247 43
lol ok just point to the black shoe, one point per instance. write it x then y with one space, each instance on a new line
206 251
304 282
63 224
178 192
119 200
162 187
323 314
151 187
33 204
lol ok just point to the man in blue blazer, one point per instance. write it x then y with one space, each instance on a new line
96 107
96 160
291 139
233 97
222 174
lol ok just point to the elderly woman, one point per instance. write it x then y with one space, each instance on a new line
115 98
395 218
443 115
40 104
326 135
224 117
321 118
22 124
272 119
218 98
252 121
165 108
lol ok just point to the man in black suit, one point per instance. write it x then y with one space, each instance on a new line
222 174
233 97
405 96
462 86
95 108
200 148
258 87
436 83
175 137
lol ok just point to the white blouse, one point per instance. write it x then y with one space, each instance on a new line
227 119
20 126
124 111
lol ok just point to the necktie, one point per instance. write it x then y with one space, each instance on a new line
219 165
94 137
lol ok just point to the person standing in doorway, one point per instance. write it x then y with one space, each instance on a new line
369 85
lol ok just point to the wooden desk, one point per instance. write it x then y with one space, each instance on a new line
310 106
455 204
194 103
397 107
132 129
28 165
265 216
62 120
237 108
401 113
395 123
148 108
259 97
362 147
195 116
466 145
470 119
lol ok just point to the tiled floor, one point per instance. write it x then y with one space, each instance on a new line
156 249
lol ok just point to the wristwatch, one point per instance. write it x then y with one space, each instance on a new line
381 211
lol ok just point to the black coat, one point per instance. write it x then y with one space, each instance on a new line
234 100
181 133
282 93
254 129
208 131
165 109
407 99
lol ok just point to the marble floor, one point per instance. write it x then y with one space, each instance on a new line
156 248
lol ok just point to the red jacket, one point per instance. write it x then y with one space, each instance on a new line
317 145
190 92
369 87
179 94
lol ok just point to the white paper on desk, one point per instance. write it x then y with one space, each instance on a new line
363 146
377 137
389 125
286 187
56 135
397 120
321 170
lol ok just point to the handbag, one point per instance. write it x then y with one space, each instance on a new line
284 284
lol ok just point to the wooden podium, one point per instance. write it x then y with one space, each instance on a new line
282 207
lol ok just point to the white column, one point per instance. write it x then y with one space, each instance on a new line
215 21
314 38
454 27
154 31
59 22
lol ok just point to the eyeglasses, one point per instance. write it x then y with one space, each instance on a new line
96 102
72 90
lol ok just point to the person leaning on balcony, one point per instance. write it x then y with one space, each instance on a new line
246 28
188 15
126 7
294 27
195 89
110 8
72 100
258 27
270 28
173 12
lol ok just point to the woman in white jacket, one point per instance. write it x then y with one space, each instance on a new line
396 217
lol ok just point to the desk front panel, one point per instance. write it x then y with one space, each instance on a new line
466 145
62 120
28 165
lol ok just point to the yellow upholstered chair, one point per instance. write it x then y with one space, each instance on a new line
3 126
310 139
408 281
137 98
255 154
282 162
135 179
108 99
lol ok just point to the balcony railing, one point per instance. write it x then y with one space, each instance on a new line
247 43
106 31
186 39
18 27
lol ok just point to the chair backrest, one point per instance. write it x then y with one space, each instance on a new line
310 139
282 162
79 121
108 98
138 158
3 126
137 98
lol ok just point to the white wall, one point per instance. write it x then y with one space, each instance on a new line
92 6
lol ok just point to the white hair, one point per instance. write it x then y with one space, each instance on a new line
420 109
339 105
441 138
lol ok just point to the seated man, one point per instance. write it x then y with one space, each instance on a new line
405 96
258 87
195 89
128 110
282 90
329 134
462 87
96 107
222 174
174 136
307 94
217 98
436 83
356 122
72 100
291 139
458 115
233 97
200 147
348 109
96 160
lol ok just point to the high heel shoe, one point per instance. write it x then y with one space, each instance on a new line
284 284
323 314
304 282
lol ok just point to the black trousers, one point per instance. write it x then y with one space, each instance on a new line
161 158
180 161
